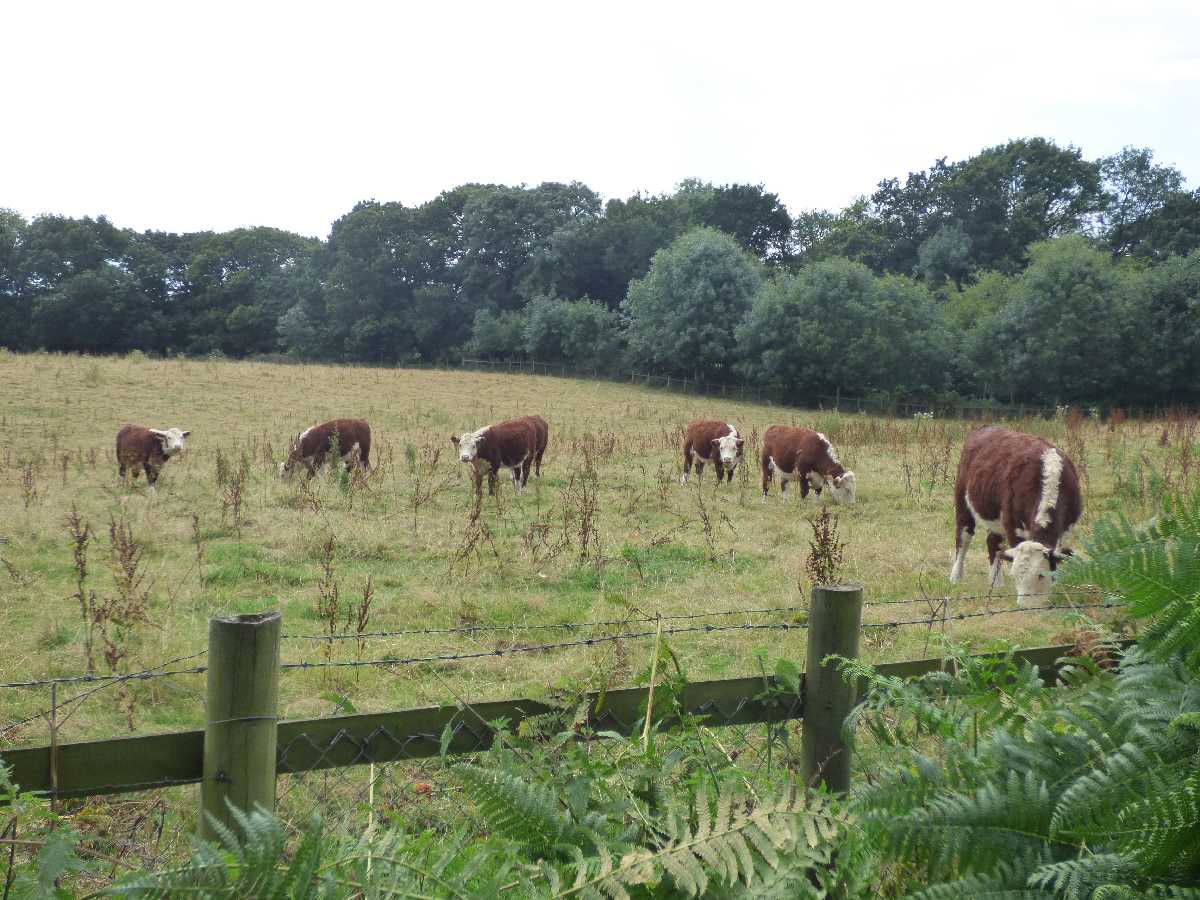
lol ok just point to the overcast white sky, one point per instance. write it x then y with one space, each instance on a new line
184 115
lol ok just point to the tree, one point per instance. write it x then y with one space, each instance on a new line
681 316
945 255
751 215
500 334
834 326
1165 361
1019 193
14 295
1068 333
581 332
1134 190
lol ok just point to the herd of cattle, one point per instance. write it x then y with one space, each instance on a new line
1021 488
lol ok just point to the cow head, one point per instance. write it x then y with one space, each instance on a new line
842 488
729 450
171 440
289 465
468 444
1032 563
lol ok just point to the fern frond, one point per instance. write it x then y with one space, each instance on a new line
526 813
762 850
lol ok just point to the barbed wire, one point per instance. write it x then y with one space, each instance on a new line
540 626
608 623
632 635
152 672
943 599
939 617
534 648
111 680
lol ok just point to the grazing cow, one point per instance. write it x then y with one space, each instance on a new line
715 442
1022 489
542 430
808 457
310 448
146 449
508 445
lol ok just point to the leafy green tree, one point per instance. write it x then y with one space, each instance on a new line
1135 188
498 334
746 212
1164 361
682 315
14 295
581 332
1016 194
834 327
945 256
1068 331
97 311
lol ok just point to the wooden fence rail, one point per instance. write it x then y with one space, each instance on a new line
243 748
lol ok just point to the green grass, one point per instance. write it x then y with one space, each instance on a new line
654 555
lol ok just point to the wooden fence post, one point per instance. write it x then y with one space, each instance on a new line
835 617
240 731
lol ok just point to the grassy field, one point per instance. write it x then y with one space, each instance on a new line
610 476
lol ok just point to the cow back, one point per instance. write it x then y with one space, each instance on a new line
509 443
799 450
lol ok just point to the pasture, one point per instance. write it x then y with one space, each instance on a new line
606 533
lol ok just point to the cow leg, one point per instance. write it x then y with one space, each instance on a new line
720 470
964 530
525 473
766 476
152 476
687 464
804 486
700 468
492 482
994 543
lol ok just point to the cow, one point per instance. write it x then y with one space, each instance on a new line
146 449
715 442
808 457
1023 490
310 448
542 430
508 445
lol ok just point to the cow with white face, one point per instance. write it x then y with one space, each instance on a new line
806 456
141 449
1022 489
715 442
513 445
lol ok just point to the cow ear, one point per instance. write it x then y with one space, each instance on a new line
1066 551
186 433
454 439
1006 556
741 443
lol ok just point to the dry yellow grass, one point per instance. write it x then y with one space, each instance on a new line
59 416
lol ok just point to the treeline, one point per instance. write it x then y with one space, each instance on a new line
1026 271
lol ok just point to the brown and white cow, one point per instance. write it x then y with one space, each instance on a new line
146 449
1022 489
805 456
507 445
715 442
542 430
310 448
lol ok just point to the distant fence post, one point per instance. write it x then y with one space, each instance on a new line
242 712
835 617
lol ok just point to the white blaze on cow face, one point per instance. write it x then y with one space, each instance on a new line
468 445
171 440
1030 568
843 488
729 448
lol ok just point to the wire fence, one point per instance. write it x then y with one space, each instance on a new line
362 769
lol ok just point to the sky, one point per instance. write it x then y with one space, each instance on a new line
187 116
